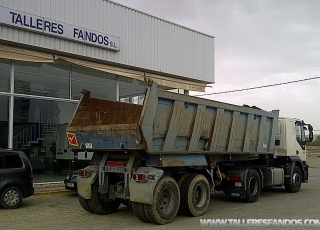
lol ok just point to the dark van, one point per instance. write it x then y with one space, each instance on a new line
16 178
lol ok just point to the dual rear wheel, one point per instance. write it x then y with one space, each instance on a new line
195 195
191 196
99 204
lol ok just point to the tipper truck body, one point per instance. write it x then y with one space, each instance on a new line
172 152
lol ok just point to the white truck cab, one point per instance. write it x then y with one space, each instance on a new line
291 138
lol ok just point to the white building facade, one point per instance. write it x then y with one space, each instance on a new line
51 50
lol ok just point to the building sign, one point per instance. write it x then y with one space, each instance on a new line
54 28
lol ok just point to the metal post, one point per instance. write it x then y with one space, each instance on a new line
117 88
70 82
11 107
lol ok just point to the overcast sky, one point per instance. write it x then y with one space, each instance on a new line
257 43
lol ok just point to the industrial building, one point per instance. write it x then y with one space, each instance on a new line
51 50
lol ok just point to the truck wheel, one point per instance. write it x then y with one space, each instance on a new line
102 206
195 195
253 185
182 179
138 210
296 181
11 198
84 204
180 183
166 200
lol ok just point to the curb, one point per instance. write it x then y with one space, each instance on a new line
50 188
43 185
52 192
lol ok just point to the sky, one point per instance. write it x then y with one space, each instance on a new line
257 43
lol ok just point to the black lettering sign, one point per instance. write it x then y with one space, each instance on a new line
31 24
60 29
39 24
46 26
18 20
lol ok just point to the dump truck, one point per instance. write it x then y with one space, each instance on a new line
171 153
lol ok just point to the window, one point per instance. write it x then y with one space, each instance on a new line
40 121
300 134
42 79
45 97
12 160
4 124
1 162
4 75
100 84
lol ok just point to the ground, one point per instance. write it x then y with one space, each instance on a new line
313 157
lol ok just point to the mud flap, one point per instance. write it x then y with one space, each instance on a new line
305 173
142 192
84 183
236 189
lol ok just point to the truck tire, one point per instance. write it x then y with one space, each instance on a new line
195 195
84 204
253 185
102 206
296 181
180 183
182 179
11 198
138 210
166 200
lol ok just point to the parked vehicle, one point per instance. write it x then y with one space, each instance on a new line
16 178
64 157
172 152
70 182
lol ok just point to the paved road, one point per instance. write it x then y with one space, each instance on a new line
63 211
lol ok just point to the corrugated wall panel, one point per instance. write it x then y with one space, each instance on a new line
146 42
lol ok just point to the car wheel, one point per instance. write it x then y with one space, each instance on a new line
11 198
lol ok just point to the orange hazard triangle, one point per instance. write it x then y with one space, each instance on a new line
72 139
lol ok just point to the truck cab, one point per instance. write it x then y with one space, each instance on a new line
291 137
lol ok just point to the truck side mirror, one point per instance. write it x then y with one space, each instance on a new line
310 128
310 136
